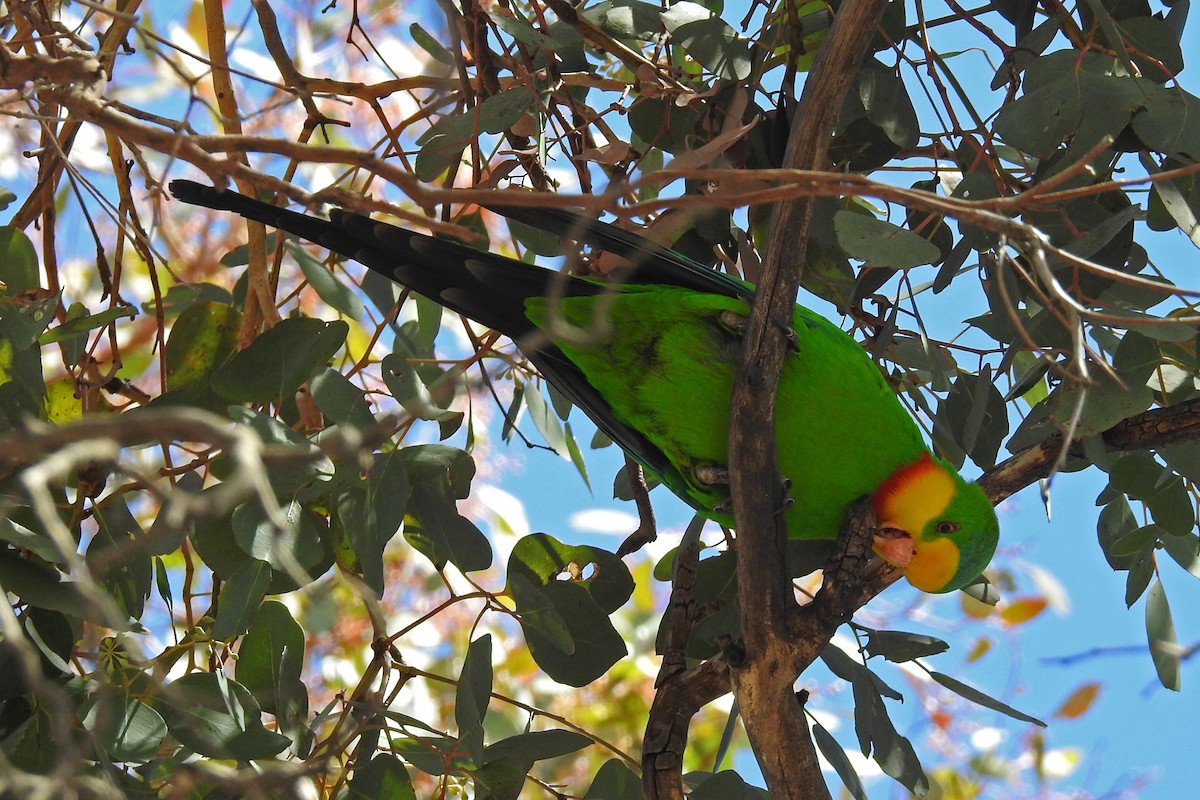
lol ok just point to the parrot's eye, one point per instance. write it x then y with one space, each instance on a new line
947 527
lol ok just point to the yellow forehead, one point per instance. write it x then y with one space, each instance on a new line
923 494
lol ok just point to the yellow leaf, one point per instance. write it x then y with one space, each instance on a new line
1022 610
62 406
1079 701
982 647
973 608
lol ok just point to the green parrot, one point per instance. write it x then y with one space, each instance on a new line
649 354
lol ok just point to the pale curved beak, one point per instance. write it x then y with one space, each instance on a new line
894 545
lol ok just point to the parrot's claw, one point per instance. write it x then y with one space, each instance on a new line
737 323
711 474
733 322
793 340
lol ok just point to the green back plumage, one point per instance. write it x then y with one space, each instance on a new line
841 431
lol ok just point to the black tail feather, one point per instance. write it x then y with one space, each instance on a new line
485 287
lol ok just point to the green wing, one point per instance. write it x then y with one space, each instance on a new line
494 290
648 358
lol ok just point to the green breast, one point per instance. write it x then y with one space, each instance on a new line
665 364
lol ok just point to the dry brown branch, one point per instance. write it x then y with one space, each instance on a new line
771 659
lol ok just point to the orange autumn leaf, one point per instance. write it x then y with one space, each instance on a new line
1022 610
1080 700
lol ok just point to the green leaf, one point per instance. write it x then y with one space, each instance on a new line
454 537
615 781
474 693
240 598
897 758
269 665
1160 631
441 463
853 671
1067 98
216 717
972 419
981 589
371 510
408 387
240 256
520 29
275 364
1115 522
1153 47
124 727
882 244
118 558
536 746
878 737
37 542
221 548
326 284
661 124
179 297
434 48
442 145
23 320
900 646
1141 571
45 587
1136 540
723 785
576 455
707 38
979 698
877 121
500 780
430 754
545 420
582 585
76 327
298 544
539 614
837 759
18 261
1186 552
630 20
340 400
54 634
384 777
314 468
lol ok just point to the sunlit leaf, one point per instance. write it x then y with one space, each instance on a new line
1160 630
978 697
1079 701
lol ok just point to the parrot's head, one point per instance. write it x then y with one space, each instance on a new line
940 530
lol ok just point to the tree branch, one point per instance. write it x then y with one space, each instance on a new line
1158 427
770 661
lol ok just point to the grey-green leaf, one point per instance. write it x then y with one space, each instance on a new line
1160 631
882 244
978 697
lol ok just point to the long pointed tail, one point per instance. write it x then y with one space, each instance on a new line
487 288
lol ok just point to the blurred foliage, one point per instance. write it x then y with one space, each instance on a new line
252 555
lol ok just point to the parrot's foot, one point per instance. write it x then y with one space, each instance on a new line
711 474
733 322
737 323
